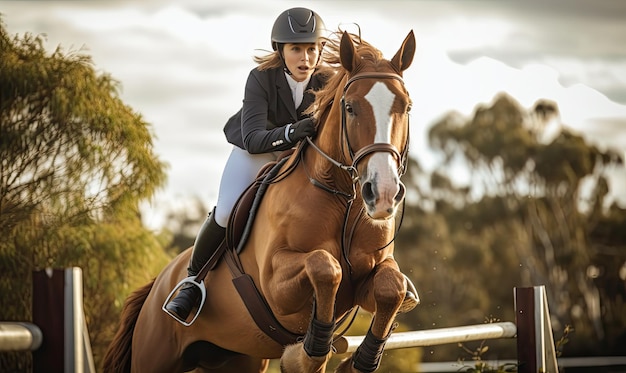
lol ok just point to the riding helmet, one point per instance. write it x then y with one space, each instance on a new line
297 25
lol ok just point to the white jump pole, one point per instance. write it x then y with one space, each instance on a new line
19 336
78 355
433 337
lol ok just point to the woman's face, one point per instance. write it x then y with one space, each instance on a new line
301 59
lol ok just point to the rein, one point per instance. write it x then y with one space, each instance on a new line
401 160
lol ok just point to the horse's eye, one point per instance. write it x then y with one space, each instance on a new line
409 107
349 109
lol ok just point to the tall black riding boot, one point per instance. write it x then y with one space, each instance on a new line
208 240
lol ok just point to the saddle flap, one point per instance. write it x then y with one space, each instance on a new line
244 211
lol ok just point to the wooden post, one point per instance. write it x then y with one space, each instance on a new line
48 304
58 312
535 342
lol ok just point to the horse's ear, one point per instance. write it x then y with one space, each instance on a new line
404 56
347 52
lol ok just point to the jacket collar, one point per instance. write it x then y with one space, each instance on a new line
284 93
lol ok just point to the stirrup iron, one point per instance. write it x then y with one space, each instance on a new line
192 281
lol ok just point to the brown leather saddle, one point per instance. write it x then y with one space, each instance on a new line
243 214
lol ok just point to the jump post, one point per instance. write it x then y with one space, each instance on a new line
57 336
532 328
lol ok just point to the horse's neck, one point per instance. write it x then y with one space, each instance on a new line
329 140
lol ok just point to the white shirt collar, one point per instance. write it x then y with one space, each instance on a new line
297 89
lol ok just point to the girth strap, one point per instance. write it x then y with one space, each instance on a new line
256 304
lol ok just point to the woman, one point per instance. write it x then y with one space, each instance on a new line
271 120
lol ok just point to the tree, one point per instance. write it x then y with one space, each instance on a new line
76 162
532 212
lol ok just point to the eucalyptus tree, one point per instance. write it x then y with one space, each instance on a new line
75 164
529 204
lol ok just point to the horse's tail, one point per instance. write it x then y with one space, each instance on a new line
118 355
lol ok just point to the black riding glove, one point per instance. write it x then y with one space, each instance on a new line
301 129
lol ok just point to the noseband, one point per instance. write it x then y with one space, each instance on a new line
400 158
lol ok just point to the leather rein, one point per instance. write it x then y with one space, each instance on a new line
401 159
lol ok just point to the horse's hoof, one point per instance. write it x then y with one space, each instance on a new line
410 301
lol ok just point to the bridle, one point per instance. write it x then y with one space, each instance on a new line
400 158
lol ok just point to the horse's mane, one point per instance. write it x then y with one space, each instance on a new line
335 73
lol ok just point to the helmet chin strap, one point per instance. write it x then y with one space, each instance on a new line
279 48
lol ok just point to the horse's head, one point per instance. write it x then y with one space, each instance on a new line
375 123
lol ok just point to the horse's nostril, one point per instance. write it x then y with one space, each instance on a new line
368 191
401 193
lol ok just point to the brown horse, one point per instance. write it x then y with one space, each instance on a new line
321 243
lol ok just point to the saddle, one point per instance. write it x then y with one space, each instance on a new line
243 214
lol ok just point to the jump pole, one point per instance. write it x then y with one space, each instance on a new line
532 329
19 336
433 337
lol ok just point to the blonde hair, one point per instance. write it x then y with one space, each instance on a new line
268 61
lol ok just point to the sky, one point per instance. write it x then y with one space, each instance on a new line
182 64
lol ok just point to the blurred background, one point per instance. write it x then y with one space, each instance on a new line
517 146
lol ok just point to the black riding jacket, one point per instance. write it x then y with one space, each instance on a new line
268 106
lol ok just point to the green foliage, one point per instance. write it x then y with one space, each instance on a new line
482 366
76 162
531 213
560 343
479 365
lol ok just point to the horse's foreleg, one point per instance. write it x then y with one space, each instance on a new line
387 290
323 272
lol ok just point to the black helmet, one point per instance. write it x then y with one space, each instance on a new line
297 25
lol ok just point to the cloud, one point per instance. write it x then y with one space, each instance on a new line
550 34
183 64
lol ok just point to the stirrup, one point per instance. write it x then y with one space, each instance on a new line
192 281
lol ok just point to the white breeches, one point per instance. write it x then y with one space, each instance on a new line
240 171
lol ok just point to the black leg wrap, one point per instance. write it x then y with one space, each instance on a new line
318 338
367 356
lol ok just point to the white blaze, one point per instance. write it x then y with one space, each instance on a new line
381 99
382 165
